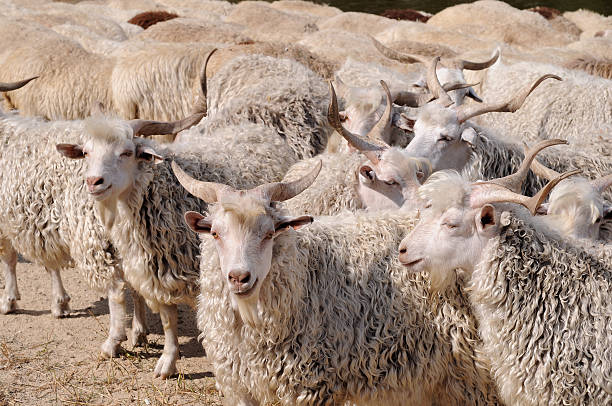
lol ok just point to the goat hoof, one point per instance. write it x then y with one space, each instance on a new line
110 349
61 307
8 305
166 366
139 338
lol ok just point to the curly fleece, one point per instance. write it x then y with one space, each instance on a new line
545 313
158 250
44 211
340 322
334 190
493 158
280 93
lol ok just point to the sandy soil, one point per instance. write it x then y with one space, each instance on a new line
48 361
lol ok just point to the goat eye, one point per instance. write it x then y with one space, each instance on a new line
126 154
215 235
449 225
391 182
445 138
85 153
269 235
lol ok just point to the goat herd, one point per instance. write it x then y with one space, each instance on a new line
432 250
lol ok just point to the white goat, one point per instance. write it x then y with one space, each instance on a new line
576 206
543 304
324 315
45 217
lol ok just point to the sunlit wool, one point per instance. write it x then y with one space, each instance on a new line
337 319
543 307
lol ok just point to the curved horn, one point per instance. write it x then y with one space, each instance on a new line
7 87
281 191
491 193
479 65
515 181
601 184
410 99
398 56
449 87
368 149
343 88
200 106
465 112
384 124
145 128
539 169
207 191
434 84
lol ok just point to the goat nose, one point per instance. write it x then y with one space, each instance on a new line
239 277
402 252
95 180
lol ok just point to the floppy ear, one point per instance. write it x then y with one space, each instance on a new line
607 211
485 219
472 94
469 135
420 176
197 222
71 151
148 154
402 121
295 223
542 209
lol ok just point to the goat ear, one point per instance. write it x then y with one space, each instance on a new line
295 223
420 176
542 209
607 211
197 222
485 219
71 151
469 135
402 121
472 95
148 154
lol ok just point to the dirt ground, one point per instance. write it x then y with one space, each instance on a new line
48 361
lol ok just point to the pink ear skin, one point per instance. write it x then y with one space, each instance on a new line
542 210
469 135
71 151
147 154
296 223
485 219
197 222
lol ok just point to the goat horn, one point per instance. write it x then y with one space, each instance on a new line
281 191
145 128
365 147
434 84
515 181
201 106
465 112
207 191
397 56
7 87
539 169
384 124
479 65
601 184
410 99
448 87
492 193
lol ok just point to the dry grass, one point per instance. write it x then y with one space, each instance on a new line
44 361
